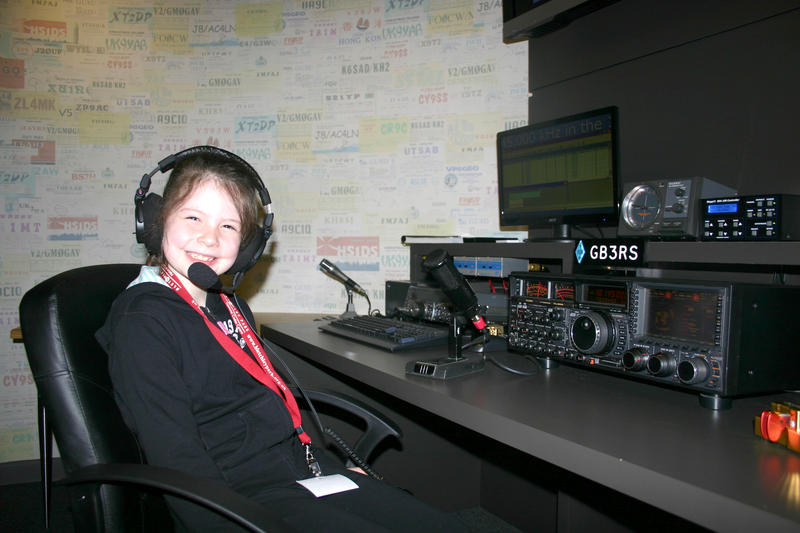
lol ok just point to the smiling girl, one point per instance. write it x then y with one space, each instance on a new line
199 391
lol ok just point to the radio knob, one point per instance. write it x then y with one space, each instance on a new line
556 315
592 332
694 370
634 359
661 364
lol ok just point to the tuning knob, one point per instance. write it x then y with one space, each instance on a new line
592 332
694 370
661 364
634 359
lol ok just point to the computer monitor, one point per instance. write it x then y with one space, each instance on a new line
560 174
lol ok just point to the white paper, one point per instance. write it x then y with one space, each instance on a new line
325 485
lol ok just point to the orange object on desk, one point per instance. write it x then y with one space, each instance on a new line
781 424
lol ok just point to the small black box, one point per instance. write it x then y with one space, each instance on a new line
761 217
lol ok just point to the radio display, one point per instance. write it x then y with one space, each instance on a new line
536 289
606 294
564 290
682 315
731 207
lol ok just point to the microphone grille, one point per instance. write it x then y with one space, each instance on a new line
203 276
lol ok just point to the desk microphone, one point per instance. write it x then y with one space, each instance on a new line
332 270
440 265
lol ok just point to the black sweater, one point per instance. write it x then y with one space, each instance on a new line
191 405
195 409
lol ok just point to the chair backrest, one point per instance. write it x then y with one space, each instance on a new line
59 318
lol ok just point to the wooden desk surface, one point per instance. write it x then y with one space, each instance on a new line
648 442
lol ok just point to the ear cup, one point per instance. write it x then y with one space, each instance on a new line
250 254
150 234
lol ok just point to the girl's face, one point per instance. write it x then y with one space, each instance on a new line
205 228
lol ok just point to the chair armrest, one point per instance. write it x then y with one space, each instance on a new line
206 492
378 426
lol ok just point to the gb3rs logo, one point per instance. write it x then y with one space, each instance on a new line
614 252
609 251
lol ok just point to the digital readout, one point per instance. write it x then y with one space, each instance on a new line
682 315
605 294
731 207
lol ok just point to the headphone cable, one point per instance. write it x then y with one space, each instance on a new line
324 432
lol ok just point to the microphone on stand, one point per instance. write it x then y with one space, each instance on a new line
440 265
332 270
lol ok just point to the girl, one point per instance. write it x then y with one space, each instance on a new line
175 359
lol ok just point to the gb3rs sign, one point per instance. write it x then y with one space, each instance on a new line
609 253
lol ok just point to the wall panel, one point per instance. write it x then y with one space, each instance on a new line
367 119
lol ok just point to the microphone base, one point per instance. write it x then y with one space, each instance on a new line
350 310
446 367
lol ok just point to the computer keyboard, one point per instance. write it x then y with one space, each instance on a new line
387 333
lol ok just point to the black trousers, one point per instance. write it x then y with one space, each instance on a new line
375 507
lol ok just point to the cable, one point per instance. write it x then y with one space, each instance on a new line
369 303
511 369
339 441
314 415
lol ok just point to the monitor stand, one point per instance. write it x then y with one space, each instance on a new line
561 233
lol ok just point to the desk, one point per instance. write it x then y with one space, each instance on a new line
654 444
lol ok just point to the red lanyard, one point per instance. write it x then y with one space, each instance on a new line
264 373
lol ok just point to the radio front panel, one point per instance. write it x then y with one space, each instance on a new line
676 333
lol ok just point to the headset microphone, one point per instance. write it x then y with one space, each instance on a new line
204 277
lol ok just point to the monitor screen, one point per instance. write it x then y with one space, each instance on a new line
561 172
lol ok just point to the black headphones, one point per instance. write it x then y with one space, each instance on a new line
148 208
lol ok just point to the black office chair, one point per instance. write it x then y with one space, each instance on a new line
111 489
